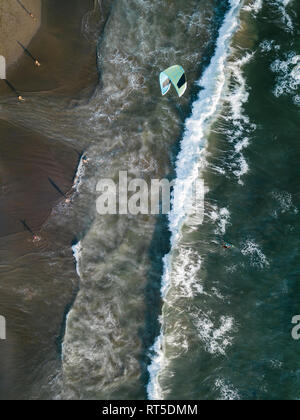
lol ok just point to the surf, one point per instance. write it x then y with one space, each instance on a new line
190 162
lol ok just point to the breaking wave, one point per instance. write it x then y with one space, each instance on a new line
189 163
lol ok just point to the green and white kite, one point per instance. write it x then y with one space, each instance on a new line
174 75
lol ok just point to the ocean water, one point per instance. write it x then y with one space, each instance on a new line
155 307
114 319
226 316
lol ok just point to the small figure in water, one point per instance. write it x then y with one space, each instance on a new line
37 63
227 245
67 199
19 96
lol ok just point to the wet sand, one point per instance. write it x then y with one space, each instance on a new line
39 281
27 160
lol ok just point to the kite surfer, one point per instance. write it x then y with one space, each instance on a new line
67 200
26 10
35 60
35 237
19 96
226 245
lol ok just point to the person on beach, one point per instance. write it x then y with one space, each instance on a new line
85 159
19 96
34 59
67 199
27 11
35 237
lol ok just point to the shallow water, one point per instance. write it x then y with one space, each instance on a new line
110 327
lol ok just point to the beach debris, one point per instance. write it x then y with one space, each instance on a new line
34 59
26 10
35 237
67 199
19 96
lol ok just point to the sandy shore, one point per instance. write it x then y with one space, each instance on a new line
38 281
17 25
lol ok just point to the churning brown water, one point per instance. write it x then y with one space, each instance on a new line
96 92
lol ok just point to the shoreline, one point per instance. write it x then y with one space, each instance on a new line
38 278
63 163
17 25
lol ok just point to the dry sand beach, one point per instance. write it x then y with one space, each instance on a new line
17 25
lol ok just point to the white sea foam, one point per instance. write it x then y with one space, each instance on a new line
285 2
220 217
285 18
254 7
239 123
189 164
190 159
158 363
242 168
269 45
215 335
232 268
218 169
184 274
296 100
257 257
239 96
243 144
276 364
79 175
288 76
227 391
285 203
77 248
